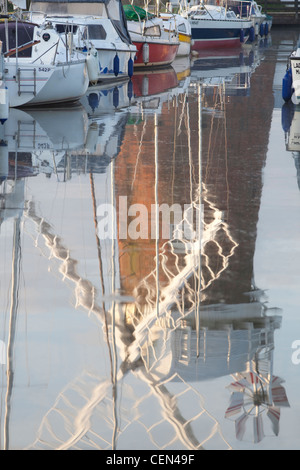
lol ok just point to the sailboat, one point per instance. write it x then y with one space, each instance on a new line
98 28
39 67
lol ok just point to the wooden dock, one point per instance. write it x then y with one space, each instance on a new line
285 19
284 13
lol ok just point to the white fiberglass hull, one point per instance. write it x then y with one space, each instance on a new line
184 48
112 63
30 84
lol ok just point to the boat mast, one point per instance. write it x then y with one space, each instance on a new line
157 7
4 7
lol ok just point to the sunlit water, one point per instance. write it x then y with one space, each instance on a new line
117 335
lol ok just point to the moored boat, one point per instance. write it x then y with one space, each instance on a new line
39 67
291 79
155 46
181 26
215 26
99 29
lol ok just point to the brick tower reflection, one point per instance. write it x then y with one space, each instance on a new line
197 312
232 148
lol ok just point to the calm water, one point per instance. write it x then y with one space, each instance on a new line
117 335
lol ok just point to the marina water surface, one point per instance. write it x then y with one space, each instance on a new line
149 280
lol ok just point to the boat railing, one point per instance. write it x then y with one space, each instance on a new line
142 23
242 8
239 8
201 10
33 16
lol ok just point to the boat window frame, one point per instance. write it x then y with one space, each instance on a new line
154 27
90 28
182 28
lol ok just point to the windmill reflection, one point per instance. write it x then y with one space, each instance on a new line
198 314
175 312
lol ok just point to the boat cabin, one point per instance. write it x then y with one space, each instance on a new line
72 9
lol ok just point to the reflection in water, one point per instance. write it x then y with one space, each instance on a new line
177 309
256 395
290 119
36 141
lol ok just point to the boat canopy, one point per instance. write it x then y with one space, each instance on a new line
112 9
135 13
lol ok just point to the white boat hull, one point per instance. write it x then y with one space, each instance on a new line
184 48
107 70
40 84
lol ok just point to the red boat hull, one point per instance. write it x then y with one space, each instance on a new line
160 53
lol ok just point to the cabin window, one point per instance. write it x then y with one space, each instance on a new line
66 28
152 31
96 31
230 14
25 36
182 28
198 12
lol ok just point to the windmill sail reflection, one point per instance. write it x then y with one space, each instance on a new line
256 396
